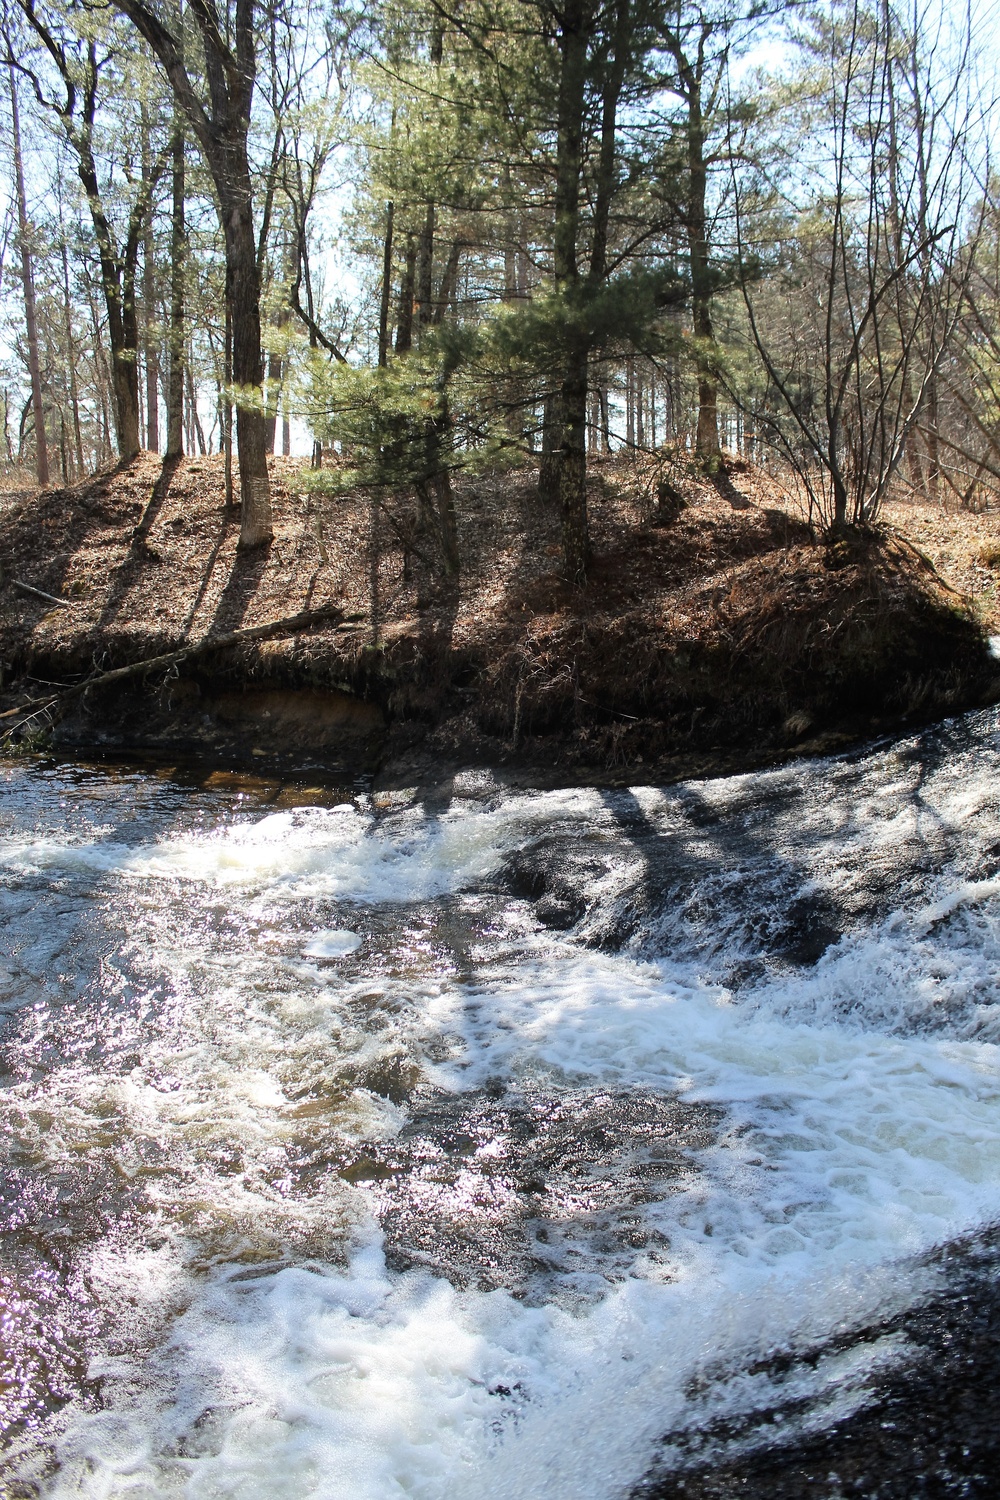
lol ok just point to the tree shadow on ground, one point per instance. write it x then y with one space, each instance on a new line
240 589
139 552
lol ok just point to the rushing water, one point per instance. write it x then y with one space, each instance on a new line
490 1144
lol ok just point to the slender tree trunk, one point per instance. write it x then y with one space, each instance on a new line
230 74
895 227
127 365
707 437
28 286
74 388
404 322
449 283
178 244
197 431
225 405
383 314
118 285
521 266
189 438
103 449
274 374
277 363
931 438
573 478
149 340
243 301
8 446
570 468
424 291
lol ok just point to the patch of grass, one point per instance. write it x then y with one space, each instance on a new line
989 556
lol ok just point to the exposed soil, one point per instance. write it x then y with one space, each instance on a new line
723 636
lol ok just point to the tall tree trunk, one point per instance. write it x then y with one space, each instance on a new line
119 302
222 131
225 405
129 361
275 369
178 244
8 446
404 321
570 467
895 228
696 224
197 433
103 450
150 347
449 283
707 438
118 267
243 300
931 439
383 312
74 389
28 287
423 311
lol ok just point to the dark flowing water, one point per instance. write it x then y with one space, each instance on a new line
562 1144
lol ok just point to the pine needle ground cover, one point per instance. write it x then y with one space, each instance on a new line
712 637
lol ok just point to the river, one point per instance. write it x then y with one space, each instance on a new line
486 1143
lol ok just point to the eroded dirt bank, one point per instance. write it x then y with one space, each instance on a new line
722 639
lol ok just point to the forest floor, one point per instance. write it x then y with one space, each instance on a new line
725 637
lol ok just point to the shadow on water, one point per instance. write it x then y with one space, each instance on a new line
545 1190
765 872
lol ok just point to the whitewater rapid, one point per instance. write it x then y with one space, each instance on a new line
371 1180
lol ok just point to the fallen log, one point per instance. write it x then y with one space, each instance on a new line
290 625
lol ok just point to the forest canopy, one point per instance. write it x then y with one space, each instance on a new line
444 236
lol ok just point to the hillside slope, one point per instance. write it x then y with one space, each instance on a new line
725 637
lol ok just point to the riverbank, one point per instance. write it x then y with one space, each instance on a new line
724 637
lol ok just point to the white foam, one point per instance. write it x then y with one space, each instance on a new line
846 1151
332 943
860 1109
343 852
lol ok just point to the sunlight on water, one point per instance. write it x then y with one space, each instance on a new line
368 1179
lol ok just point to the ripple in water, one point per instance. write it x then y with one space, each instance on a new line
498 1144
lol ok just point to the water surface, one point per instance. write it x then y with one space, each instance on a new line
484 1143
